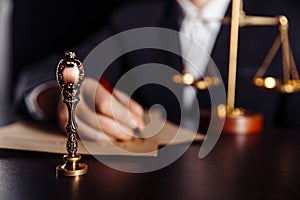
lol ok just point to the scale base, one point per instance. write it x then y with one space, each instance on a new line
239 122
243 123
71 167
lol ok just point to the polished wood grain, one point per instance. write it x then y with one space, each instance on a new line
263 166
246 124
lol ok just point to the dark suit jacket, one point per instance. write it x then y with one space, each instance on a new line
254 42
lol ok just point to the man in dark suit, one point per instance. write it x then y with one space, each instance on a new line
253 46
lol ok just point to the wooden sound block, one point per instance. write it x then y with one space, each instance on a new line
246 123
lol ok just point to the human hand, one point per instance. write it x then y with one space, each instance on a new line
101 115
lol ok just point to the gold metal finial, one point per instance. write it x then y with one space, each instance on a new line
70 55
283 21
70 75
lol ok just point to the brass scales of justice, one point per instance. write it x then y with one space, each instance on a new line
238 120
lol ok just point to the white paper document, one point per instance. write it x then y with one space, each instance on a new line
46 138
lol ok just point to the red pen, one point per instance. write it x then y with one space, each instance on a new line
110 89
106 85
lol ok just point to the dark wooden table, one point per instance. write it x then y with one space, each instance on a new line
265 166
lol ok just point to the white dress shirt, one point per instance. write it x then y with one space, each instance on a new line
202 25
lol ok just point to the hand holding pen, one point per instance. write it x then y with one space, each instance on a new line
117 115
126 101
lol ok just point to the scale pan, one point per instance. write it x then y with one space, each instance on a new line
271 83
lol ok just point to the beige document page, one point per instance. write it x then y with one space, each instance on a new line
46 138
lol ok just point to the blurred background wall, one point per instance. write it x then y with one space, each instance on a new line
30 30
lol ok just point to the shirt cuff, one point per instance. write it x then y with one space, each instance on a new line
31 103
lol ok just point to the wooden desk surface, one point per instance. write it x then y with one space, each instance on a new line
265 166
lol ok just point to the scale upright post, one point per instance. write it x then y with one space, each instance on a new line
234 35
70 75
237 120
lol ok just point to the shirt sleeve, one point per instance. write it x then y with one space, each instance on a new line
31 102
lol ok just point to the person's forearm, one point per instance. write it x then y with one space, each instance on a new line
47 100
